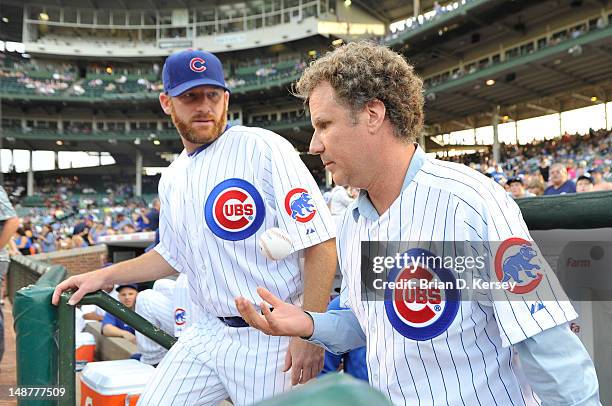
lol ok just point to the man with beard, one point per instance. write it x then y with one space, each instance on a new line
227 187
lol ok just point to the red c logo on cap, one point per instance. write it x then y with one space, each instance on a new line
197 65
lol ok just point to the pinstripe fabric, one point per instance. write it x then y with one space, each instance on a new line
470 362
222 261
160 305
211 362
156 308
220 269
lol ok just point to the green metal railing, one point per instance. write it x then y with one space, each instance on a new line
66 336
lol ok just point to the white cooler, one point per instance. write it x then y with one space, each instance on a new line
85 347
114 383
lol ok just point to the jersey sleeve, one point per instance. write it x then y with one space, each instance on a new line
6 208
529 298
167 246
300 208
109 319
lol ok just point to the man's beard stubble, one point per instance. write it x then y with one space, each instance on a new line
187 132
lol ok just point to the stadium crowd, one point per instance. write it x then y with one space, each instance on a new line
46 230
565 164
69 212
73 215
49 79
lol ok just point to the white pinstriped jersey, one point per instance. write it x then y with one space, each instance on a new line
184 312
465 360
216 202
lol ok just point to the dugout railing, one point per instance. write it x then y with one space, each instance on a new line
571 211
45 342
66 335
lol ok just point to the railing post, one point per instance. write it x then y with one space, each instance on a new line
66 343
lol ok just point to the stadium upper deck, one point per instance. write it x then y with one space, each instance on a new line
528 58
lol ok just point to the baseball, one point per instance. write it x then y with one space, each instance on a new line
275 244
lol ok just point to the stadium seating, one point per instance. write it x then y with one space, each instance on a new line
26 80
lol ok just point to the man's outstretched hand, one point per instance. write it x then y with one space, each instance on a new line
285 320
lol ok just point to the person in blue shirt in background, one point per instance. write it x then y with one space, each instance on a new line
22 241
121 221
560 184
47 239
111 325
354 361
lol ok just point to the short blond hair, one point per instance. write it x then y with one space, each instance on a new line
361 72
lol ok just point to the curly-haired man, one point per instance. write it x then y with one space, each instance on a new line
366 108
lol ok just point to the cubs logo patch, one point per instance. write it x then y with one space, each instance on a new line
298 204
234 210
513 263
180 316
197 65
422 313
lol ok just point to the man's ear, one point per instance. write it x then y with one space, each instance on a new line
166 103
376 111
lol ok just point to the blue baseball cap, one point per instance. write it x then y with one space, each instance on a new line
187 69
127 285
515 179
586 176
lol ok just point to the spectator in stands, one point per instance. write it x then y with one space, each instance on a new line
560 184
82 228
582 168
78 242
111 325
544 168
571 170
497 173
34 236
584 184
95 233
599 183
47 239
517 189
128 229
22 242
121 222
152 218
